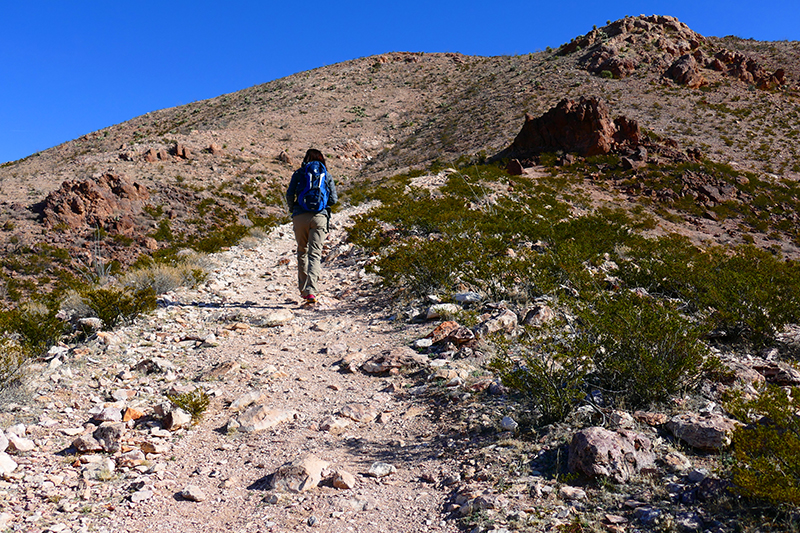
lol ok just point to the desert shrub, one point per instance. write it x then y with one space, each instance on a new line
644 350
162 278
12 357
548 368
35 327
195 403
424 267
748 293
766 450
114 306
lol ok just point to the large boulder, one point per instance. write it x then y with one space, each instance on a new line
109 201
686 71
708 432
584 127
619 455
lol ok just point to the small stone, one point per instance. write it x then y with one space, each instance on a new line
7 464
132 414
381 469
87 444
467 297
123 395
177 419
154 447
334 425
422 343
359 412
107 414
20 444
260 417
193 493
131 458
697 475
344 480
300 475
509 424
572 493
247 399
277 318
141 495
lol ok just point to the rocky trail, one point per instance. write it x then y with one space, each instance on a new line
280 391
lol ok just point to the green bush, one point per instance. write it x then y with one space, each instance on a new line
644 350
12 357
35 327
548 369
162 278
195 403
747 293
766 451
26 333
114 306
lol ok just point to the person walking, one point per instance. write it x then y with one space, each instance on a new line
310 195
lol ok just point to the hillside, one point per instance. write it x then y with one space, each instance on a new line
595 241
382 115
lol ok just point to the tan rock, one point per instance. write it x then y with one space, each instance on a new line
709 432
619 455
260 417
334 425
359 412
7 464
344 480
132 414
300 475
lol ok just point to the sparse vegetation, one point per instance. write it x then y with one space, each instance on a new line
195 403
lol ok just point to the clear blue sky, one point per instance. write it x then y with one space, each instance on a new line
70 68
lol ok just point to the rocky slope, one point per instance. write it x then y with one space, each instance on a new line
333 399
732 101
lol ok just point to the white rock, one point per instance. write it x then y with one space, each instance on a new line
278 318
18 429
247 399
259 417
3 441
7 464
193 493
380 469
467 297
20 444
509 424
141 495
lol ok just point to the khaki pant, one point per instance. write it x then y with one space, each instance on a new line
310 230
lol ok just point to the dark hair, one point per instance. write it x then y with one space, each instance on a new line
314 155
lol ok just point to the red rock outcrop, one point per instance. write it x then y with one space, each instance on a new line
584 127
109 201
666 45
747 70
686 71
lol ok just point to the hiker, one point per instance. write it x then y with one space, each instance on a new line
310 194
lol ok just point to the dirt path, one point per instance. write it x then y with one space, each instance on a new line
216 338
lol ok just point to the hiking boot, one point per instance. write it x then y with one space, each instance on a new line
310 299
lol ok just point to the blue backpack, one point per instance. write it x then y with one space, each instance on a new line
313 195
